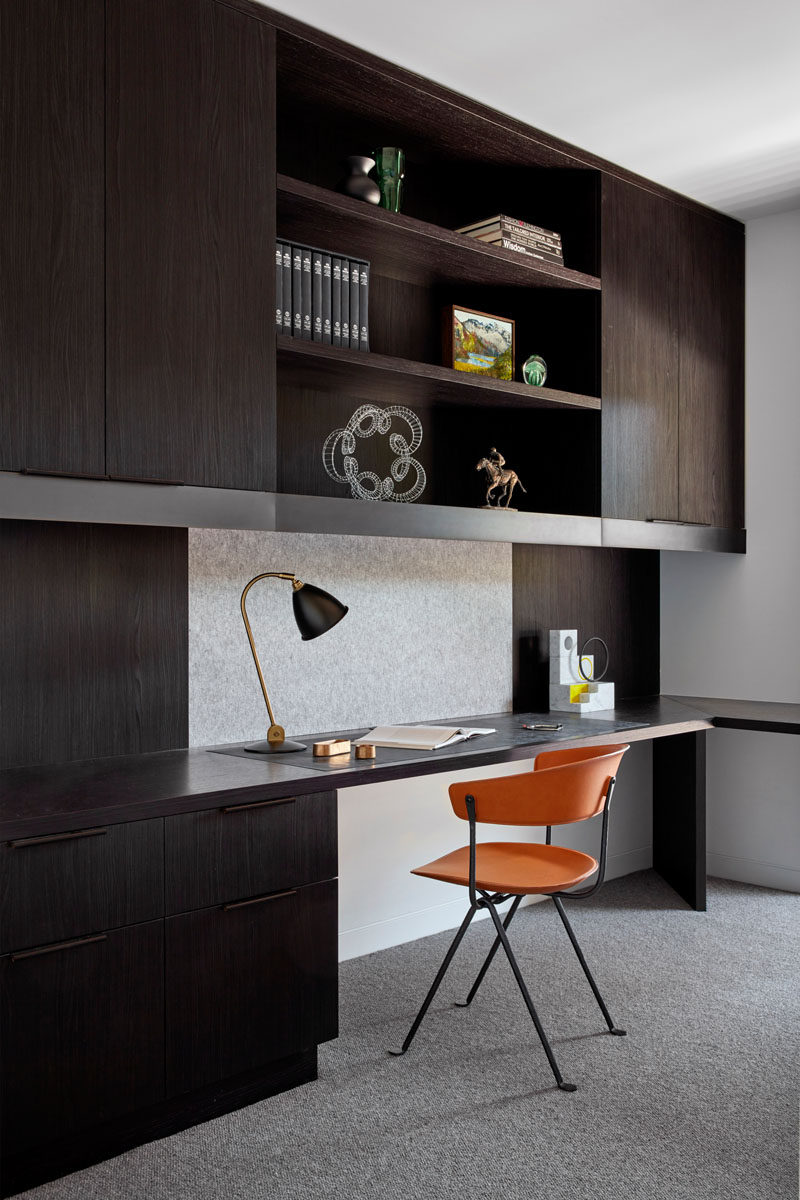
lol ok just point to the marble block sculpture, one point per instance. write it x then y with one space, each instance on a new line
573 687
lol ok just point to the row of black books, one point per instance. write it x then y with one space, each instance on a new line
513 234
321 296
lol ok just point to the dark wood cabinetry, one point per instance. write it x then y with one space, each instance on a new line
247 977
82 1034
190 243
170 141
673 338
119 1021
93 640
711 387
641 362
249 850
137 241
51 236
63 885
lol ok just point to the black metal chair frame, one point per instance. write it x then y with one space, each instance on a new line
481 899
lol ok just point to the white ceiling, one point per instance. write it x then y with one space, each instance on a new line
701 96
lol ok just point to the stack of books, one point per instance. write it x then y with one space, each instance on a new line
513 234
321 296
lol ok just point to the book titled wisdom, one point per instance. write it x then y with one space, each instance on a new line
513 234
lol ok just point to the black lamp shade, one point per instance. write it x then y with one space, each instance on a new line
315 611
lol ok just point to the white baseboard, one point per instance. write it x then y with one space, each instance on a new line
640 859
407 927
745 870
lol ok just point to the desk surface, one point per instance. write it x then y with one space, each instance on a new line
76 795
766 715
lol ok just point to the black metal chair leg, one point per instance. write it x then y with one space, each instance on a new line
448 958
501 933
495 946
611 1026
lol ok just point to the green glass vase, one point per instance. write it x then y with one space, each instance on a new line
390 166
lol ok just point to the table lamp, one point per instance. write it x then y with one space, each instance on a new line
315 612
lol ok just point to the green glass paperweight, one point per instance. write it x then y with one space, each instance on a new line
534 370
390 166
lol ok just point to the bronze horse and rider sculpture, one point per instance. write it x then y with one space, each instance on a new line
494 466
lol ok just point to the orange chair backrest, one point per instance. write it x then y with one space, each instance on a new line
564 786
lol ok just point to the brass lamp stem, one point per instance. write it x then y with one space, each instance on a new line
276 733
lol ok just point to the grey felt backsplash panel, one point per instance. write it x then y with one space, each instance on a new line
428 634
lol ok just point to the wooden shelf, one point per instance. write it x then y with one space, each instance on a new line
404 248
366 518
371 376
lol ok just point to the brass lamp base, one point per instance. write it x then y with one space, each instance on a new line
275 747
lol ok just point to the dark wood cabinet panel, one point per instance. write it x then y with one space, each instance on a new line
711 372
640 275
191 243
51 236
610 593
82 1030
249 984
93 642
64 885
248 849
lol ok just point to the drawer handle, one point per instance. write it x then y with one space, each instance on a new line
45 839
84 941
258 900
231 808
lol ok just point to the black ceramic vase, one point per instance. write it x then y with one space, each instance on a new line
357 182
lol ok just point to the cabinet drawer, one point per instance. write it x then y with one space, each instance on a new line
249 983
67 884
82 1027
248 850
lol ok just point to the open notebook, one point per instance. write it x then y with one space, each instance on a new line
419 737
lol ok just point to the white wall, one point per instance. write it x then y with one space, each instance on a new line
729 624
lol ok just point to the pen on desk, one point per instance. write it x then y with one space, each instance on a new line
552 725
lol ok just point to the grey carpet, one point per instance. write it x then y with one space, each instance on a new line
699 1102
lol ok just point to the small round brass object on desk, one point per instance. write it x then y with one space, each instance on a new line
365 751
332 748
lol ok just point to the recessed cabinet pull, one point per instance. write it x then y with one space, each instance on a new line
46 838
145 479
258 900
232 808
84 941
675 521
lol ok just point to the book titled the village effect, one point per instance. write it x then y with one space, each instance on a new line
420 737
321 296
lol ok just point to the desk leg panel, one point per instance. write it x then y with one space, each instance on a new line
679 814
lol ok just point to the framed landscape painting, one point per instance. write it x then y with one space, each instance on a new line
479 342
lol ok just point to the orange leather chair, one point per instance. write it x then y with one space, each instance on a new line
565 786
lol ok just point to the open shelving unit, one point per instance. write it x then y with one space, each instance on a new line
461 165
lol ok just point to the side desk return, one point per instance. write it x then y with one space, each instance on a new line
159 901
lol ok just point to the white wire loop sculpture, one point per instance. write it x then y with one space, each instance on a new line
341 464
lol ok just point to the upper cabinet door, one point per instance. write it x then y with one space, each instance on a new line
639 274
51 235
190 243
712 371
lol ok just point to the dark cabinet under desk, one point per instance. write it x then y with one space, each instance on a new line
114 1032
82 1034
249 981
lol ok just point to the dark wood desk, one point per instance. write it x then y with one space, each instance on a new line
160 929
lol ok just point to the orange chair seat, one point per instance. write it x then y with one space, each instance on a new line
516 867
